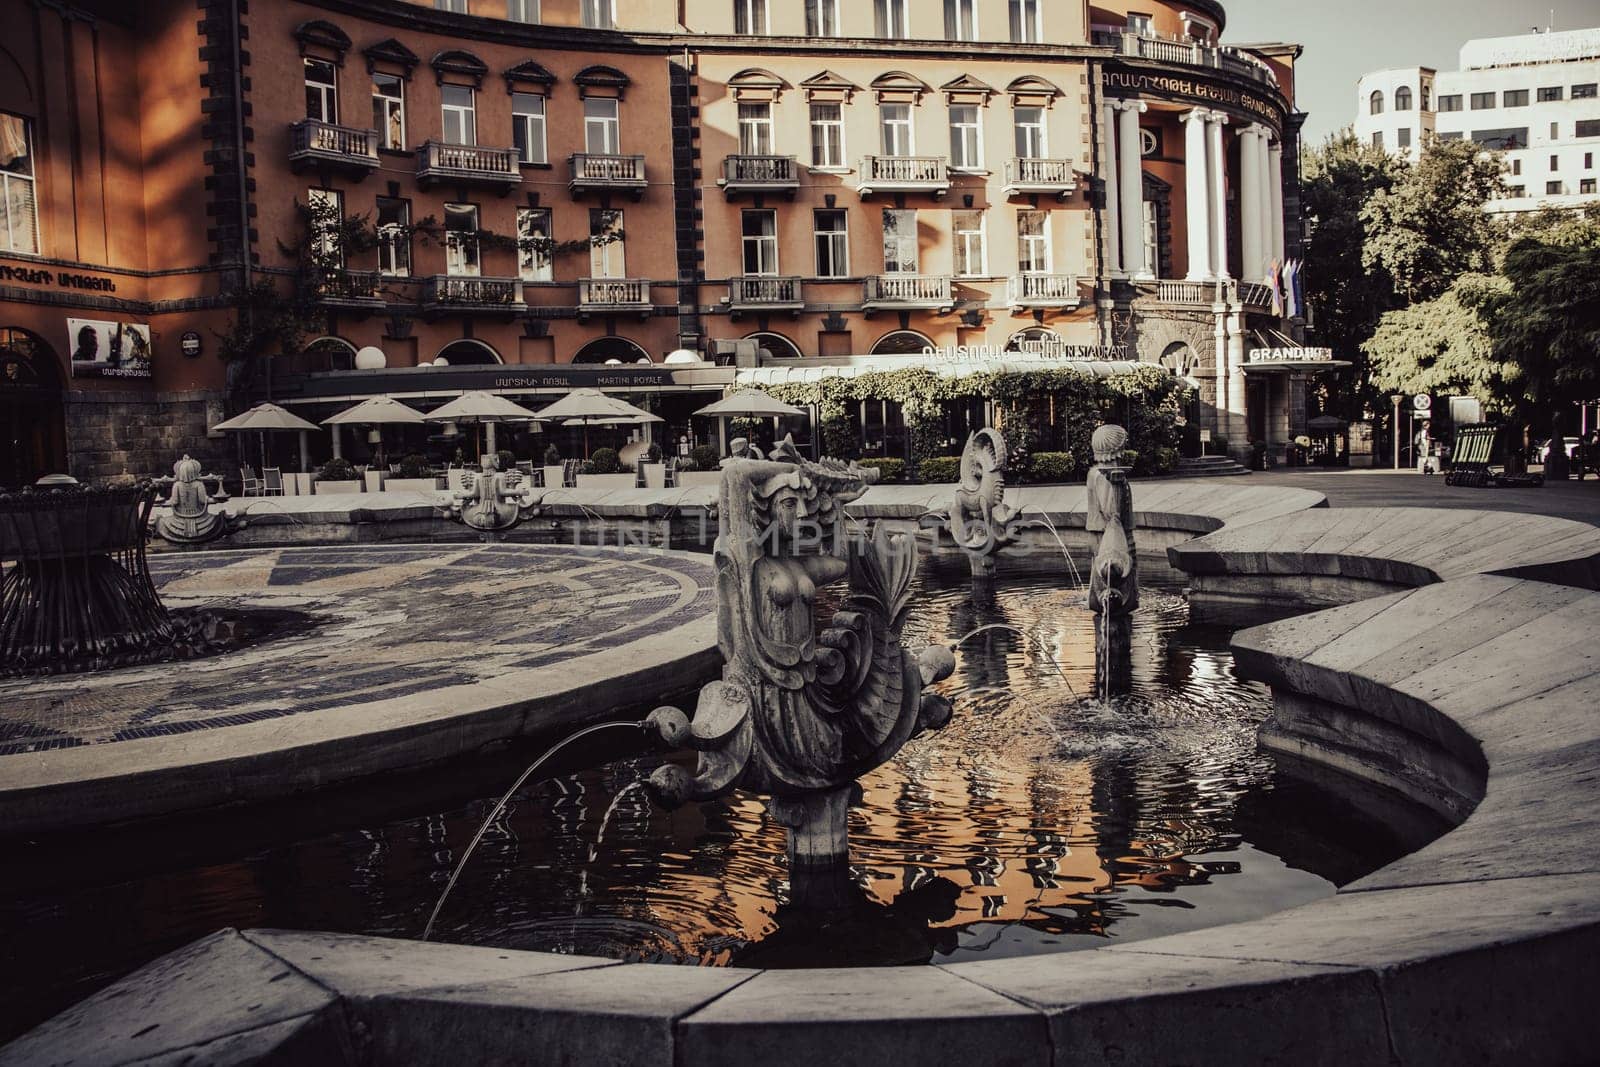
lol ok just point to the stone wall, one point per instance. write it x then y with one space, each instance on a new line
109 432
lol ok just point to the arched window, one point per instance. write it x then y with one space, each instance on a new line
324 354
1402 98
901 343
1375 102
777 345
615 350
468 353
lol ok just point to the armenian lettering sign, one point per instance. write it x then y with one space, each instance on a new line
1037 348
1118 82
109 349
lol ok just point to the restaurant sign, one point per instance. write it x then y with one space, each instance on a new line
1131 82
1291 355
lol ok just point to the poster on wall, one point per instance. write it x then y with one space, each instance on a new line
109 349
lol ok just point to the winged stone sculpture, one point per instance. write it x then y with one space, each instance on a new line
978 519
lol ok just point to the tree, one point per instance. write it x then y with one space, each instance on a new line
1430 227
1443 345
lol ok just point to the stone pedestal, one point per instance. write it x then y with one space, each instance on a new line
819 846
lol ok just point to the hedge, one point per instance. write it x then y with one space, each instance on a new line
1051 467
936 469
889 470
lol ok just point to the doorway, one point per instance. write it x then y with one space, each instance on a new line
33 438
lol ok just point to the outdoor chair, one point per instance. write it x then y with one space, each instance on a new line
525 466
569 472
249 484
272 481
670 480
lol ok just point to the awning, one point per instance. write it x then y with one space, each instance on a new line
1273 352
814 370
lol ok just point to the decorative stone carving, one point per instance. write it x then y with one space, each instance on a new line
798 714
191 520
978 519
741 448
1114 573
491 499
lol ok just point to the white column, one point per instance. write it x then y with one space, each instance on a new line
1264 160
1196 186
1217 184
1113 241
1131 182
1250 214
1275 191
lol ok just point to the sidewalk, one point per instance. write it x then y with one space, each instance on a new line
1395 488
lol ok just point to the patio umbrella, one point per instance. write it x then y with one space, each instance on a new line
483 408
265 418
373 411
591 405
747 403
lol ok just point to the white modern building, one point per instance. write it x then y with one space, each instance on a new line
1534 97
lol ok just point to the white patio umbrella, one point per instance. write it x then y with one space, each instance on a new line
374 411
265 418
485 409
592 406
749 404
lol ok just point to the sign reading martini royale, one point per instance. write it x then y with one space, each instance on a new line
1291 355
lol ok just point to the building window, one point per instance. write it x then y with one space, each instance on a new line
896 123
832 243
389 110
1029 122
755 129
1033 242
1514 98
1586 91
1548 93
1585 185
1482 101
1555 162
1425 91
327 218
899 241
1450 135
822 18
970 259
1502 140
1403 137
893 18
1025 27
605 244
322 91
1552 188
522 10
1140 24
1516 166
598 14
750 16
459 105
827 135
760 230
1588 161
1402 98
1516 192
527 127
966 140
1377 138
461 240
1375 102
534 244
602 131
1587 128
1449 101
961 20
1555 131
19 217
394 237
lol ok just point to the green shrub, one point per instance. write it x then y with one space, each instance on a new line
1051 468
506 458
552 456
889 470
603 461
587 467
337 469
1163 460
938 469
414 465
652 454
704 457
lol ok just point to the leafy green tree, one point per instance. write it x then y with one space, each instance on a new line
1430 227
1443 345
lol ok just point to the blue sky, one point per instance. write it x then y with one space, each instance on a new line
1344 39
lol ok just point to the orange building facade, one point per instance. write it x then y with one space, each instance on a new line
526 196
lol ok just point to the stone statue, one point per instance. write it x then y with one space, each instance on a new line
492 499
978 519
798 714
191 520
1114 573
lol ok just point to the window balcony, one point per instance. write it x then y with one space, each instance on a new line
607 295
1050 177
594 172
345 290
906 292
765 292
1026 291
1186 294
445 294
1188 53
903 174
322 144
438 162
759 174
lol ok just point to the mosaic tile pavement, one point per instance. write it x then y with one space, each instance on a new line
392 621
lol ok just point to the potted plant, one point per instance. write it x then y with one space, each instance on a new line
604 471
701 468
654 468
414 476
338 475
554 469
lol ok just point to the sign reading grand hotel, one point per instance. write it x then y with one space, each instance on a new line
1119 82
1291 355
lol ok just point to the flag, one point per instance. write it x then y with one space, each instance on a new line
1273 284
1299 289
1291 307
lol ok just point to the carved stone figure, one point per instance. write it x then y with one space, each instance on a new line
741 448
191 520
978 519
492 499
798 714
1114 573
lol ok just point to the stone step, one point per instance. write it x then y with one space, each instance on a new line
1208 467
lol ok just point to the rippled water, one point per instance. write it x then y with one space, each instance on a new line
1039 821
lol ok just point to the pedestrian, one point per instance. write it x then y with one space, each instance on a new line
1423 443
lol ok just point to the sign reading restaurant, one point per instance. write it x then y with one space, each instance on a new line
1132 82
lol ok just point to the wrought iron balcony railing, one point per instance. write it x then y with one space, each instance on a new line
601 173
339 288
441 162
903 174
1053 177
313 143
455 292
906 291
765 292
759 174
1042 291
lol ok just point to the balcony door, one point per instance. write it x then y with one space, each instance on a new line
899 241
755 129
896 122
606 244
602 130
460 114
461 241
1033 242
760 242
322 91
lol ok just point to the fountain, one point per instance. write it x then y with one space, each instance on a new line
490 500
799 715
978 519
191 520
1114 573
